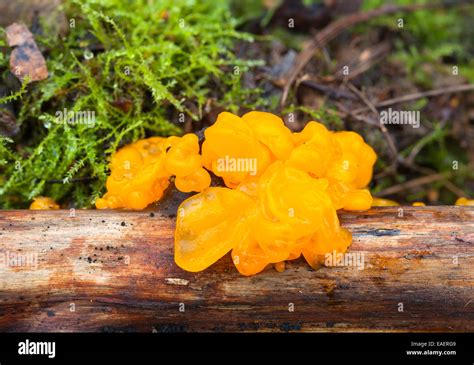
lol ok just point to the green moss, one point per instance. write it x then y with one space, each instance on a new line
142 67
428 38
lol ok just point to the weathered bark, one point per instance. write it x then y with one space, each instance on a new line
116 270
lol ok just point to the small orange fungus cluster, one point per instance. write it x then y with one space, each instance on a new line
141 171
464 201
43 203
380 202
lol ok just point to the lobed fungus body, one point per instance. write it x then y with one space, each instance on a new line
464 201
141 171
381 202
43 203
282 194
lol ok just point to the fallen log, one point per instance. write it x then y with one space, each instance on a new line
90 270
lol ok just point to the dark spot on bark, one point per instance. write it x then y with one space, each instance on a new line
249 326
50 313
171 328
122 224
378 232
109 329
378 280
286 327
152 214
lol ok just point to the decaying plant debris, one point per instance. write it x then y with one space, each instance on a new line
161 68
26 59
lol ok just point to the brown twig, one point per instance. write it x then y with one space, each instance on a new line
368 58
414 183
343 112
338 26
77 179
333 30
427 171
387 135
330 91
454 189
419 95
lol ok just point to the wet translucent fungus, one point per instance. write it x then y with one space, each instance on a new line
233 151
141 171
209 225
281 196
464 201
137 176
380 202
283 209
43 203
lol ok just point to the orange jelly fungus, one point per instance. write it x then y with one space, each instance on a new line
141 171
43 203
281 195
380 202
281 198
464 201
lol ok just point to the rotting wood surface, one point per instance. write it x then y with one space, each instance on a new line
114 271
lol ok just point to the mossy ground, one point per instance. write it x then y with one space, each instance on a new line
143 67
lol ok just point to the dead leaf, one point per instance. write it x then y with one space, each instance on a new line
26 59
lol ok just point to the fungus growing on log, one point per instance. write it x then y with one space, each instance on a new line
281 197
